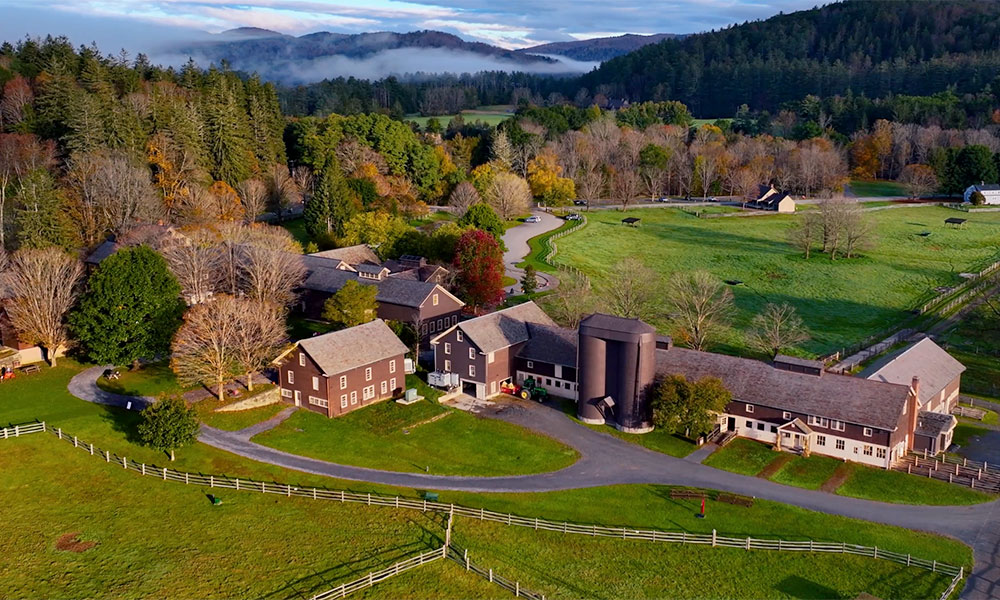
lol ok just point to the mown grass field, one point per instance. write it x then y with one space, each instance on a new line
491 115
975 342
864 188
748 457
841 302
421 437
164 539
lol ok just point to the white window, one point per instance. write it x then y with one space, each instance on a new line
286 393
489 357
385 387
472 353
315 383
880 452
447 348
354 397
837 425
531 364
786 415
318 401
368 374
820 440
343 382
434 299
840 444
472 370
820 421
343 401
392 384
369 392
749 408
302 359
291 376
447 366
868 450
867 431
493 387
392 366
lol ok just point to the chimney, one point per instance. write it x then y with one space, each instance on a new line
913 406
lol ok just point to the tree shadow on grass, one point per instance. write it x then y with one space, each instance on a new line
125 422
800 587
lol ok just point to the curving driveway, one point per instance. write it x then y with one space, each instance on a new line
607 460
516 239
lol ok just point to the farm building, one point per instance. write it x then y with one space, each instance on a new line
990 191
338 372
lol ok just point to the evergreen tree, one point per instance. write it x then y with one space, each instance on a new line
131 308
228 133
331 206
40 213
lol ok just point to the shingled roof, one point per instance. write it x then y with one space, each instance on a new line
352 255
849 399
391 290
354 347
504 328
932 424
550 344
924 359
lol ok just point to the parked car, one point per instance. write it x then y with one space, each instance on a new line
573 217
533 219
580 202
662 199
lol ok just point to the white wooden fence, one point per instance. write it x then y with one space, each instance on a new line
461 556
624 533
551 240
378 576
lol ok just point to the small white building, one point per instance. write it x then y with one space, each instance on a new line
990 191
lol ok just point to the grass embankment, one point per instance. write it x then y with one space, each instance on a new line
422 437
240 419
748 457
841 302
246 547
539 247
656 440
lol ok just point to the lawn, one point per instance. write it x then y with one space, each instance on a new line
742 456
297 227
656 440
539 246
491 115
422 437
809 473
863 188
562 567
202 554
151 379
964 432
236 420
990 417
841 302
748 457
975 343
300 327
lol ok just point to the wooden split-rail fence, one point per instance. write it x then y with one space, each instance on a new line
379 576
969 473
624 533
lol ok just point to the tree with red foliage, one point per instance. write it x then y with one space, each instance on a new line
479 265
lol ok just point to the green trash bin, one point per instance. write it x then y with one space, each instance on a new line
216 501
431 496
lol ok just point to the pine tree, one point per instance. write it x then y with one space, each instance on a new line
332 205
40 213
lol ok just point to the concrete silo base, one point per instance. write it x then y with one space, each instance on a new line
583 419
642 429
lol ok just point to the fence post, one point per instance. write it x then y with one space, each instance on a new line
466 559
342 496
713 538
934 567
91 449
59 432
288 490
907 560
875 554
187 479
125 463
164 473
369 498
748 542
211 481
142 467
314 493
491 575
75 444
107 456
43 425
517 589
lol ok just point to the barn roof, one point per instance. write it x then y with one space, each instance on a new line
924 359
354 347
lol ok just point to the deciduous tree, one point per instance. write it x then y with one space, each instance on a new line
463 197
259 337
776 328
632 289
509 195
701 308
206 347
354 304
482 216
573 299
479 269
42 285
688 407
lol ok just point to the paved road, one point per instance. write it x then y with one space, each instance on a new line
607 460
84 386
516 239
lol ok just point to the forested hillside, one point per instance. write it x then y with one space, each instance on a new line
874 49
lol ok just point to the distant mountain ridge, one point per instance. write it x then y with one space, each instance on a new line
600 49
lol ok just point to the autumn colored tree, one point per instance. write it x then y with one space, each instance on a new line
546 183
509 195
20 154
479 266
919 180
378 229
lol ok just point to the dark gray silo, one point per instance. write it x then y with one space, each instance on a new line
616 360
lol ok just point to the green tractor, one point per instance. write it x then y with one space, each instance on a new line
531 390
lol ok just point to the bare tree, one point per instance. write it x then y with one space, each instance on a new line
919 180
573 300
205 349
632 289
197 265
42 285
858 230
259 337
283 190
463 197
254 197
804 232
590 177
112 193
271 275
509 195
701 305
776 328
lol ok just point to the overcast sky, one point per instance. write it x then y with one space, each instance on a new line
135 24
